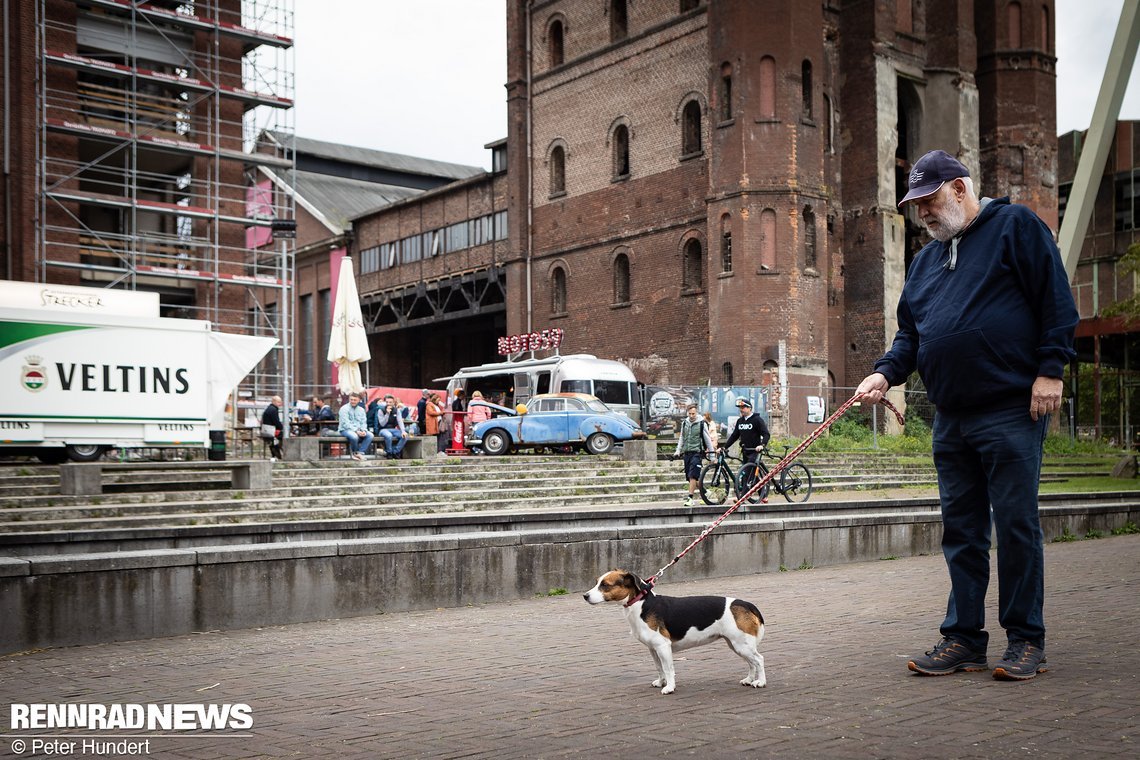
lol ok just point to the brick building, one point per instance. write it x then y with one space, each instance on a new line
1107 386
707 190
126 156
330 185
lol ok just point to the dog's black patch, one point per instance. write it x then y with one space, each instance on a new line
679 614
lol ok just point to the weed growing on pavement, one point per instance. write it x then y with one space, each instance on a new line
1066 536
239 495
1126 529
24 471
805 565
783 568
1093 534
889 557
559 591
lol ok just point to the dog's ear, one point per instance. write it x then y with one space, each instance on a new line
637 583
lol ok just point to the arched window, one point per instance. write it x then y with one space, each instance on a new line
726 243
805 74
554 43
691 278
767 240
621 279
557 170
810 258
619 21
724 92
558 291
767 87
726 371
691 128
621 151
1014 14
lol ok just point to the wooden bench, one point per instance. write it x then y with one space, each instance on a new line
86 478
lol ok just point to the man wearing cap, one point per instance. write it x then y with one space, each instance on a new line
987 318
750 430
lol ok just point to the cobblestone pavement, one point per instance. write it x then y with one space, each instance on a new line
554 677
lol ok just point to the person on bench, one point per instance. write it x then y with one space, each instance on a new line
353 426
390 427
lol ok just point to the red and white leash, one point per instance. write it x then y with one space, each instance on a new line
777 469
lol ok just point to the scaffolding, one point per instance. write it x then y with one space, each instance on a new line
150 117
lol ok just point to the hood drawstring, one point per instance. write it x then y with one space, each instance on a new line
952 264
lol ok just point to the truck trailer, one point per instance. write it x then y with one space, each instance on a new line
88 369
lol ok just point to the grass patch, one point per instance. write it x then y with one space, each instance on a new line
559 591
1127 529
805 565
1091 534
783 568
1088 484
889 557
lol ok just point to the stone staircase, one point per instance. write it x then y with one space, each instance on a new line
30 499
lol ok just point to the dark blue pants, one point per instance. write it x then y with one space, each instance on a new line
990 464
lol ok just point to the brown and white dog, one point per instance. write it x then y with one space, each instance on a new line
668 624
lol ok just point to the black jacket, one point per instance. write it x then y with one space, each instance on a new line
751 431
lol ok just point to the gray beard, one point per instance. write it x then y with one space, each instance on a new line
950 224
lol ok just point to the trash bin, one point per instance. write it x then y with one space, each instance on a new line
217 451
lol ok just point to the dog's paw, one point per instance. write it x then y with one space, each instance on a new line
669 688
658 683
759 683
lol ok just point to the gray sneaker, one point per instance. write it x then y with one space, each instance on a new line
948 656
1020 662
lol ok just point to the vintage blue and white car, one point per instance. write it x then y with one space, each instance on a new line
554 419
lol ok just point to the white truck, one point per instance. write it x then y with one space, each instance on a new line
86 369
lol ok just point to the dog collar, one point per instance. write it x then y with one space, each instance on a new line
641 595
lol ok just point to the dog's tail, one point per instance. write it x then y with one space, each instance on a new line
748 618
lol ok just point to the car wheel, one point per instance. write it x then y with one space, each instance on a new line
599 443
496 442
85 452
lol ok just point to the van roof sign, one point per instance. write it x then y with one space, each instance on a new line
77 301
534 341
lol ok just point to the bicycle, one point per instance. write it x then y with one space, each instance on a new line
794 483
717 481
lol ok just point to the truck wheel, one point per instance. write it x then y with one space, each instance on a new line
85 452
52 456
599 443
496 442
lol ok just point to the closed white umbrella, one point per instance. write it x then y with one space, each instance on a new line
348 345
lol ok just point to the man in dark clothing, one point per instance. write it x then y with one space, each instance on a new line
272 416
421 409
987 318
750 430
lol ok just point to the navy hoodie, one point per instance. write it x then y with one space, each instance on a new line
982 322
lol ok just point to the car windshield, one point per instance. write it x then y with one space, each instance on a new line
597 406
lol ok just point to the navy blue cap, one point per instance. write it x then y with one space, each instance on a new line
930 172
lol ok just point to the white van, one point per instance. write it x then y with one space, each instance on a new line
611 381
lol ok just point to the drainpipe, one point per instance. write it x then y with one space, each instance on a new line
529 177
7 149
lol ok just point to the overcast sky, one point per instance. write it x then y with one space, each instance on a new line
425 77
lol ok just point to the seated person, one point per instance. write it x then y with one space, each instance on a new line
390 427
321 413
353 426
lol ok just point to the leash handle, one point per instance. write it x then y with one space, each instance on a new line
776 469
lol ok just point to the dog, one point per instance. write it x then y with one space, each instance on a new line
668 624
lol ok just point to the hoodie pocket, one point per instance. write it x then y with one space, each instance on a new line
962 370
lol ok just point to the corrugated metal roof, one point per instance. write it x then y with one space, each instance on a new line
379 158
340 199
